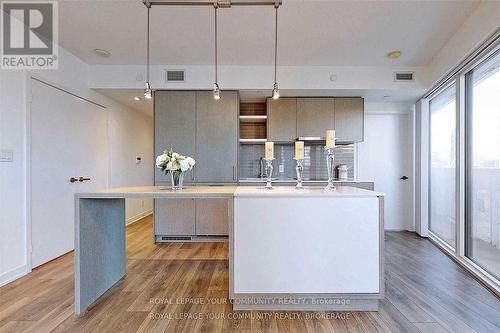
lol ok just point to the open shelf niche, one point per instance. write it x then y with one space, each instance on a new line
253 123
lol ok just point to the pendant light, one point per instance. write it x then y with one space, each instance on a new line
216 84
276 92
148 93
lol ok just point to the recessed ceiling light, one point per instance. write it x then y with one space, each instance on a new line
137 98
102 53
394 54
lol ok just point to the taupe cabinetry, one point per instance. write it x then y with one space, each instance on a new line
212 217
194 124
363 185
289 118
349 119
282 119
175 119
191 217
175 217
315 116
216 137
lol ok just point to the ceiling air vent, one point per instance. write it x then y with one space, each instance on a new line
404 76
175 76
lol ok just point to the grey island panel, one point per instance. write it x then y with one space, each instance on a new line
99 248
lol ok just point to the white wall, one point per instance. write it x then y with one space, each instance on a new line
479 25
259 77
125 123
12 175
131 136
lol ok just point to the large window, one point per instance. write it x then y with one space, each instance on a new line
442 165
483 165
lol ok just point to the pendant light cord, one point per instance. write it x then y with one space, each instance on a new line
216 6
276 45
147 52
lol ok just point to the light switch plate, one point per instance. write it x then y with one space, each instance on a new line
282 168
6 155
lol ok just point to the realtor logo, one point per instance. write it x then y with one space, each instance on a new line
29 35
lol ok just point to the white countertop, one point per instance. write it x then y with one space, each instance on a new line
312 191
159 192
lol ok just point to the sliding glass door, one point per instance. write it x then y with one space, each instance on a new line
442 205
483 165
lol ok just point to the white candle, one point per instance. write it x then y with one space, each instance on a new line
330 139
299 150
269 151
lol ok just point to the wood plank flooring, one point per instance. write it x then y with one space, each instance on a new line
183 287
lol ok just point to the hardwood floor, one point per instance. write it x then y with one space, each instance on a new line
182 287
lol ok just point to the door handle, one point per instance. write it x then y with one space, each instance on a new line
73 180
404 178
82 179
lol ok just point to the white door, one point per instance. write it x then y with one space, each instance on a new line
384 158
68 139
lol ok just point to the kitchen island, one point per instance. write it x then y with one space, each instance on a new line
307 249
303 250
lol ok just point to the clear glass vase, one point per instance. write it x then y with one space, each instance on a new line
177 179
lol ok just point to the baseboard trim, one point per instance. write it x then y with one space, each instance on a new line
13 275
138 217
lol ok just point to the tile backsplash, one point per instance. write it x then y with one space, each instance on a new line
284 164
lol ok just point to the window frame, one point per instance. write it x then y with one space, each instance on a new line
468 163
448 247
489 48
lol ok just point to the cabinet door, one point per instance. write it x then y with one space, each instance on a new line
212 217
174 217
315 116
349 119
282 119
174 114
216 137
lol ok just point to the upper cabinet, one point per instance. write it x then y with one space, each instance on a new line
315 116
349 117
217 137
281 119
289 118
192 123
174 122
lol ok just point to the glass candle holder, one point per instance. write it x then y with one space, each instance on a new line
299 169
330 160
269 174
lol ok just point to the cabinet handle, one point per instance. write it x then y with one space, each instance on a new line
234 172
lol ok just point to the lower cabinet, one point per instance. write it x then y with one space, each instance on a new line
175 217
191 217
211 217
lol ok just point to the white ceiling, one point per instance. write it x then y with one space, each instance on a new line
126 97
330 33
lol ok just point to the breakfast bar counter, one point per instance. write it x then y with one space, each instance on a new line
290 249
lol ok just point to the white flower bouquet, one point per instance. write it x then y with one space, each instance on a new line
175 164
